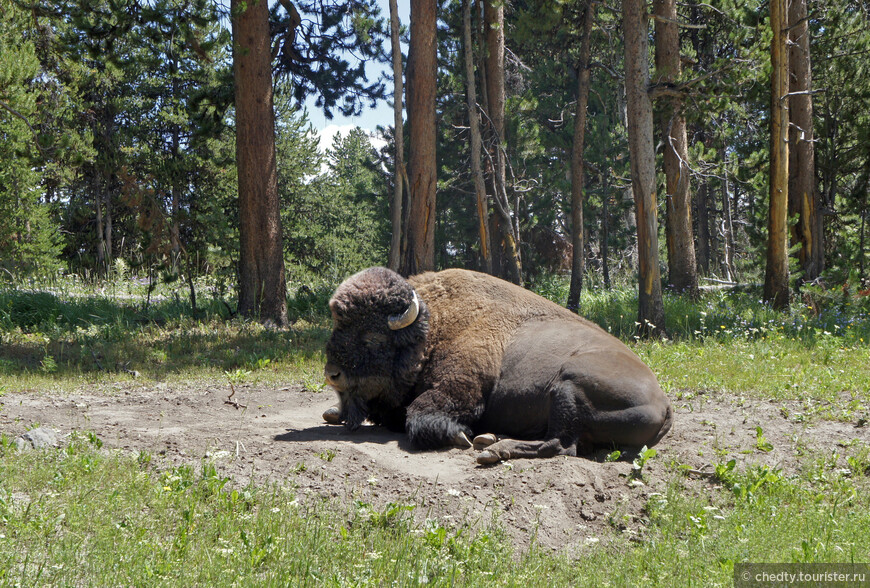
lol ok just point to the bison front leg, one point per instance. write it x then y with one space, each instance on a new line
514 449
443 416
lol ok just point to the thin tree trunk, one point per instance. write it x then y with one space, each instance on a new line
474 126
578 257
101 235
776 273
262 287
803 196
508 252
727 224
108 228
605 231
400 175
419 254
861 253
174 229
703 220
191 287
651 312
682 266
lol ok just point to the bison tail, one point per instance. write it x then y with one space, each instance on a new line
666 426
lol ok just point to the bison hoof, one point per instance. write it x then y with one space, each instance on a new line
461 441
332 415
488 457
484 441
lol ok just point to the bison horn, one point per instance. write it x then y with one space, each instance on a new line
401 321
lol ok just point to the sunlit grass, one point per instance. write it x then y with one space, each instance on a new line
84 515
776 369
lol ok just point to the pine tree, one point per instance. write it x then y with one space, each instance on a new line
29 240
419 252
651 313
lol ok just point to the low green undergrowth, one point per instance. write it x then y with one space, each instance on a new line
83 515
729 315
53 342
779 369
64 340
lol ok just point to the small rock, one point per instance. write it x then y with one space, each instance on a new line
37 439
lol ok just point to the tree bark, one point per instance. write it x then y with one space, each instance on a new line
108 228
727 223
400 175
776 273
101 235
803 197
703 221
175 197
474 127
262 285
508 249
578 257
682 266
605 231
651 312
419 253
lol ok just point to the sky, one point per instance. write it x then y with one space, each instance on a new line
370 118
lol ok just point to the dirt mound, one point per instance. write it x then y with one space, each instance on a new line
280 436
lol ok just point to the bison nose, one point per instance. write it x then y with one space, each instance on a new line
333 375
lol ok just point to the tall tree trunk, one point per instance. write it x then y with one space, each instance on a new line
101 235
682 266
727 224
400 175
508 249
474 126
651 311
262 285
703 221
803 197
108 229
578 257
861 254
776 273
175 197
605 231
419 254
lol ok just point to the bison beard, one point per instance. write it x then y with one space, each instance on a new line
447 355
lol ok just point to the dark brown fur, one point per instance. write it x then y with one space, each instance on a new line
485 356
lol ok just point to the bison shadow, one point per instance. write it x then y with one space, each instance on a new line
338 433
383 435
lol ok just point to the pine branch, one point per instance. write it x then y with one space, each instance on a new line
24 118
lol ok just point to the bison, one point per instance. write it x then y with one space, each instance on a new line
448 355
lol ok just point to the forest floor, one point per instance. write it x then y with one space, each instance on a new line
276 434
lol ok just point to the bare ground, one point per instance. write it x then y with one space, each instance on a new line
281 437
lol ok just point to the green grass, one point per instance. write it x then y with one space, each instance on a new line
53 342
776 369
87 516
726 341
84 515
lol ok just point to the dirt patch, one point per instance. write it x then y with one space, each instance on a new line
281 437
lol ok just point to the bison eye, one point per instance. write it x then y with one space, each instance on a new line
373 340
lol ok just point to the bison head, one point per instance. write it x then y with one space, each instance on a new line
377 345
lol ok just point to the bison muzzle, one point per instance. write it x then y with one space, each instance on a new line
448 355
